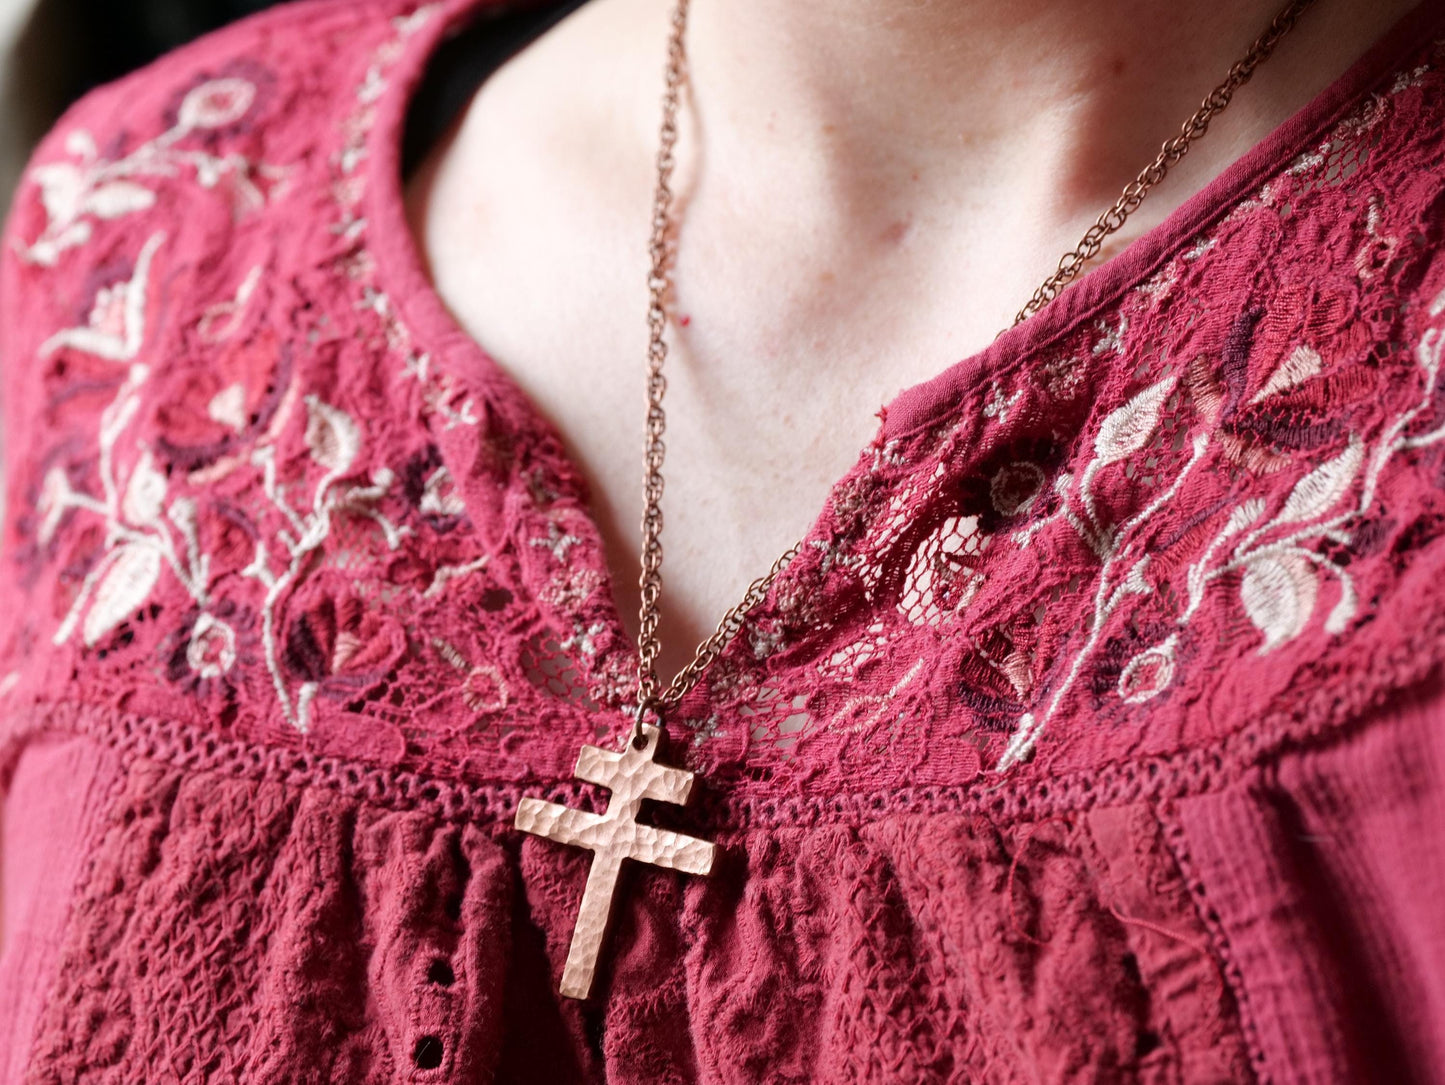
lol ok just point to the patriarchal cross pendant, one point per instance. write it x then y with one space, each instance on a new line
632 776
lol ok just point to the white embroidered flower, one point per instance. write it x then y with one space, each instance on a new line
1111 340
705 730
584 640
211 651
55 499
228 407
999 404
1149 673
559 542
438 498
145 493
331 435
485 689
115 327
216 103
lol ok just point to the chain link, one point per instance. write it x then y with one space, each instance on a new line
650 695
658 287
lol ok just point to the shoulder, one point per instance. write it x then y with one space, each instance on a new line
218 121
176 254
194 157
159 202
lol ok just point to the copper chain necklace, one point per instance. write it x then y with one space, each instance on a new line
632 774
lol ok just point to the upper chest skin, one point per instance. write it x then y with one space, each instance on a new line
803 301
795 317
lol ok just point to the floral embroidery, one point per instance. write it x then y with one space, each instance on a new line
92 187
334 442
211 647
115 328
1279 586
144 534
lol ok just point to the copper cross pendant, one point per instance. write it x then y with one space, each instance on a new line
632 776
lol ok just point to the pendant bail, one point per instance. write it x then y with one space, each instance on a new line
651 703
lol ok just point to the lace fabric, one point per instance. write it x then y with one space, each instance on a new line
304 561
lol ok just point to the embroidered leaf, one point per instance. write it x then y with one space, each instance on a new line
1149 673
55 499
182 513
1018 669
81 144
1234 359
1343 611
1299 367
145 493
119 198
331 436
1316 493
115 328
209 172
46 250
216 103
62 188
1134 582
1278 592
102 344
126 585
1244 514
438 497
228 407
1129 428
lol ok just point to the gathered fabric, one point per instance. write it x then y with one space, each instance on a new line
1096 732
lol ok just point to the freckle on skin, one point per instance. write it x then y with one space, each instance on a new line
895 233
1118 66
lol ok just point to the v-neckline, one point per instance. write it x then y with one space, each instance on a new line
400 268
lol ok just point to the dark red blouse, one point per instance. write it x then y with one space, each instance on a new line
1096 734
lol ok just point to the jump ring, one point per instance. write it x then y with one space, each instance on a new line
651 703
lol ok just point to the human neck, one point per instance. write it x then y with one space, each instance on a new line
868 190
863 98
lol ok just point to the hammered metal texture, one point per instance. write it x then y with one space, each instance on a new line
631 775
